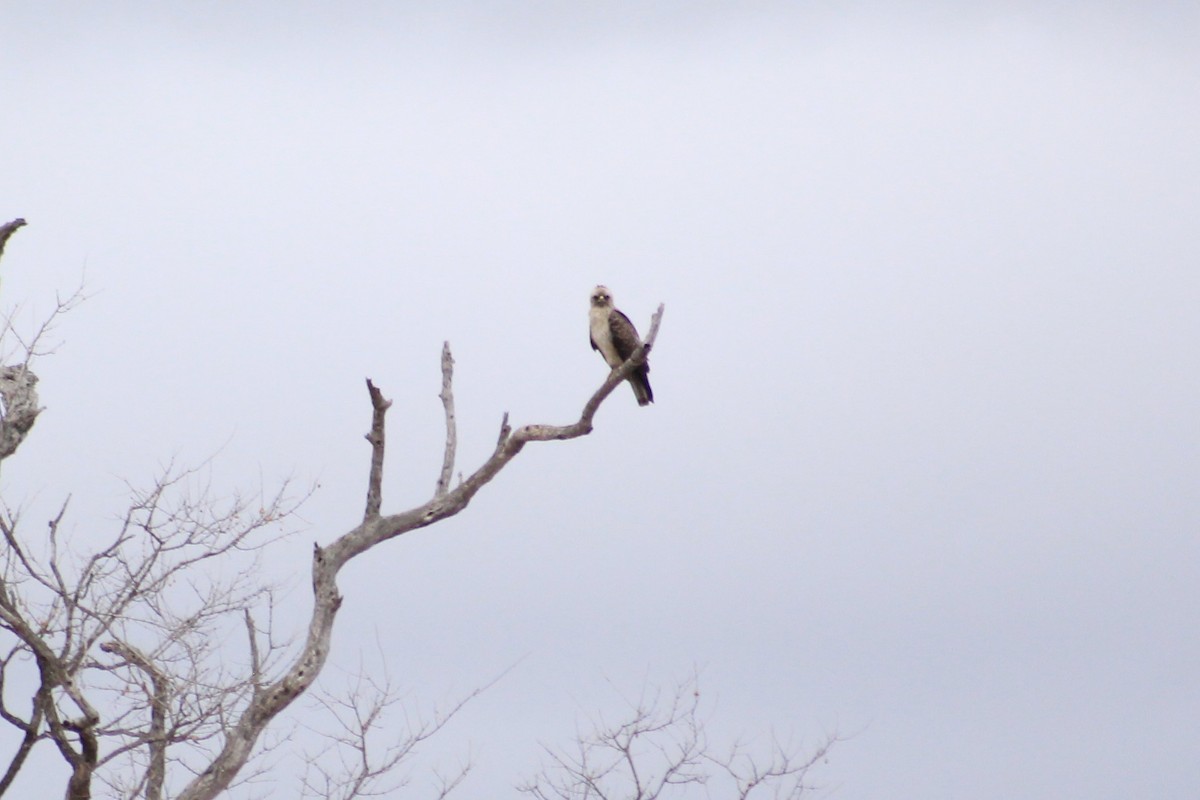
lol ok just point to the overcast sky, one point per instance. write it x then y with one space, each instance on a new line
923 464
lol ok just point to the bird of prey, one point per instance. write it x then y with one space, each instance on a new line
616 339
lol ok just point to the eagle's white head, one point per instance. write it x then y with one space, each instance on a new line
601 297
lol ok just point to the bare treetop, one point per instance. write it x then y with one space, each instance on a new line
126 670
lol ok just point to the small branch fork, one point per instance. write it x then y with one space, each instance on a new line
268 701
75 738
661 743
159 708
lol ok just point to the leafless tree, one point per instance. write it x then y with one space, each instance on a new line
142 665
660 750
367 755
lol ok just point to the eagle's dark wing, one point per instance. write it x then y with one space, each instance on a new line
626 340
624 336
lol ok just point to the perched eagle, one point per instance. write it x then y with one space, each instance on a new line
616 339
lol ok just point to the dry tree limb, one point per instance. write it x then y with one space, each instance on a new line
18 391
16 384
662 742
7 230
156 739
179 540
267 702
377 440
362 753
447 396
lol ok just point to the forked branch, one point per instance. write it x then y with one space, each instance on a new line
374 529
160 695
663 742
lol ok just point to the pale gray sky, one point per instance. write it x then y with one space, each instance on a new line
922 466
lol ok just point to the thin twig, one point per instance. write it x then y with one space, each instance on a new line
156 738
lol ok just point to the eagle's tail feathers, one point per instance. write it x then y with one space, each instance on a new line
641 388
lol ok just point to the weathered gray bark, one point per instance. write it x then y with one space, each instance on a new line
17 384
75 738
375 528
75 735
18 390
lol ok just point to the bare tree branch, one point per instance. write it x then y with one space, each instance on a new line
448 783
30 729
268 702
660 748
68 603
19 394
358 766
447 396
16 383
101 622
156 738
783 774
377 440
255 659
